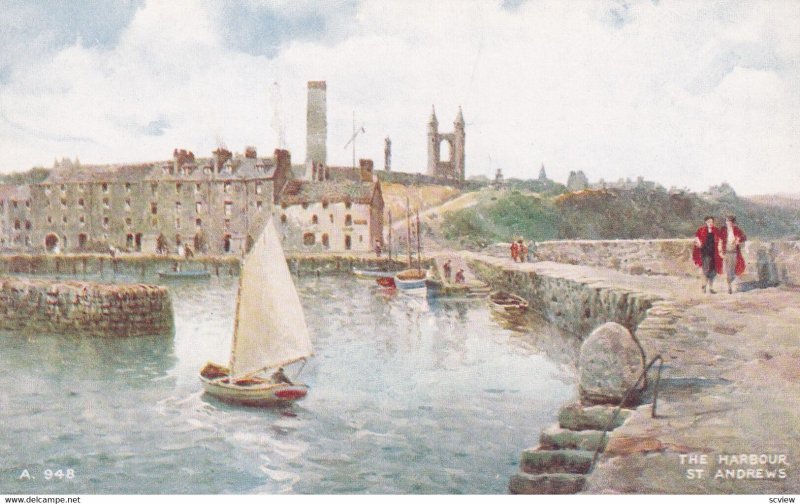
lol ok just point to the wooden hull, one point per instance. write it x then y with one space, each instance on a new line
367 274
251 392
410 279
185 275
507 303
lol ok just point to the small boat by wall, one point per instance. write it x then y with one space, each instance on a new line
411 279
184 275
506 303
372 274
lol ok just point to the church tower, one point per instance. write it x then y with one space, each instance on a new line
459 136
433 143
454 167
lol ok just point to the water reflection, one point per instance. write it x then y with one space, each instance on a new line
408 395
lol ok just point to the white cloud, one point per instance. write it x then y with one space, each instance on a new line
684 93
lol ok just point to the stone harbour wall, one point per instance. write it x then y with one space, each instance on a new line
768 262
84 308
574 306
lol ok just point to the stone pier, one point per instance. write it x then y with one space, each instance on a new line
84 308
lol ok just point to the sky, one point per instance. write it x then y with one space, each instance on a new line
686 93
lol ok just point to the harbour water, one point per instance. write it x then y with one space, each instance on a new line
407 395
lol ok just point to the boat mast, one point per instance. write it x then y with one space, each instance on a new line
408 230
236 319
390 236
419 246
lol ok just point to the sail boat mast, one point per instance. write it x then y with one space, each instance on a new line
419 246
390 235
408 230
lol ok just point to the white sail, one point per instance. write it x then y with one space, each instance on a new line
270 329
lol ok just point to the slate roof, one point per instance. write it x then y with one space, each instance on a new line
297 192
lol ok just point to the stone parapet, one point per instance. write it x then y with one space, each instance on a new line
84 308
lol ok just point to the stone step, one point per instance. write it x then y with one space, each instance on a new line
539 461
522 483
577 417
556 437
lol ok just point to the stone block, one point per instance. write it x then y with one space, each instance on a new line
552 484
555 437
609 364
538 461
578 418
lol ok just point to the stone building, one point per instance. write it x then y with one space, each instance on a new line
453 167
16 217
341 210
216 204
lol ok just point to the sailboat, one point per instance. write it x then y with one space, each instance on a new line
269 332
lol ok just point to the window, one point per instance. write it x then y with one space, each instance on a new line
324 203
177 207
348 220
27 225
16 224
105 187
325 241
259 206
63 202
127 187
177 239
49 219
82 220
106 204
283 218
28 203
227 224
258 187
198 207
347 205
81 203
304 205
314 219
14 203
347 242
331 216
197 188
153 188
64 219
105 222
63 188
177 223
177 188
127 205
153 208
226 187
308 239
228 208
198 222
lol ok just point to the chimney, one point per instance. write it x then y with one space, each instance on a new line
366 166
317 122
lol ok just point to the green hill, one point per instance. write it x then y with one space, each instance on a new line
609 214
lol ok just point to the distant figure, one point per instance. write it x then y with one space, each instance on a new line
280 377
460 279
161 245
707 253
514 251
187 251
447 270
378 248
523 251
732 238
112 251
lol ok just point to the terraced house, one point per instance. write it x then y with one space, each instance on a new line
216 205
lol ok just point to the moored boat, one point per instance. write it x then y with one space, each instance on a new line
371 274
184 275
411 279
507 303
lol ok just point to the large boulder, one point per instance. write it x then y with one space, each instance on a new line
609 364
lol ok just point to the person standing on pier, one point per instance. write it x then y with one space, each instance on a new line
514 251
447 270
732 238
707 252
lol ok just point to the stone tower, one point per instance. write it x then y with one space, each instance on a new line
453 167
316 123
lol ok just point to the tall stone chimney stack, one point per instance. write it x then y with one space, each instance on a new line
317 123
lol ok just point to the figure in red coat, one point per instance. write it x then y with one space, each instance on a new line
707 252
732 238
514 251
